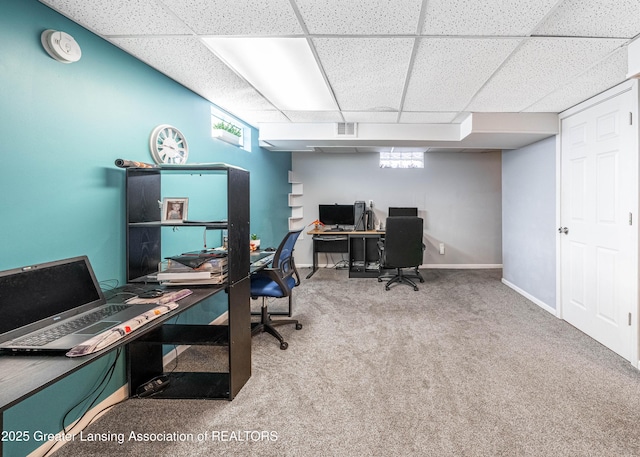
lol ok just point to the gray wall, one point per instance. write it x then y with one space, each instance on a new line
529 220
457 194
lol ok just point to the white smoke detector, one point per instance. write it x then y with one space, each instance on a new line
61 46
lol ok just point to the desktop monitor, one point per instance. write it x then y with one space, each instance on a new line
402 211
335 214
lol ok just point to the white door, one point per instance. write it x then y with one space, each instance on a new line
598 271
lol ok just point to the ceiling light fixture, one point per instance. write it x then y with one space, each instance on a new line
284 70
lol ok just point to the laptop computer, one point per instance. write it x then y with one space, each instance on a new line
54 306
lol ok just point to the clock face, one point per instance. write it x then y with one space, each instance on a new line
168 145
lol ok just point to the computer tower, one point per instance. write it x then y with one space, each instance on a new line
370 220
359 215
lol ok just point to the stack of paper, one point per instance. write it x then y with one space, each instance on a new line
199 267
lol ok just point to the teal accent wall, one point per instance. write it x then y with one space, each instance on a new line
61 129
63 126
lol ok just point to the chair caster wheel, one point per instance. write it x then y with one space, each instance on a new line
379 280
298 326
284 345
386 288
415 288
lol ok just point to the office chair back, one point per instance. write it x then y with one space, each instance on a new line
283 257
277 281
403 242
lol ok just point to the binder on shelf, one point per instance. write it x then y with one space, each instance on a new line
183 275
195 259
213 281
207 267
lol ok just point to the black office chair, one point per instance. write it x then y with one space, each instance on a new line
277 281
401 249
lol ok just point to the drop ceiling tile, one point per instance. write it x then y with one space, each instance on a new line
121 17
360 17
417 117
472 17
603 76
240 17
255 117
447 72
378 117
366 74
594 18
537 68
314 116
194 66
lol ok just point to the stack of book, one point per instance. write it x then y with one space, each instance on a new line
195 268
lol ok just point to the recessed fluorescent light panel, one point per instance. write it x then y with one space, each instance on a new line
284 70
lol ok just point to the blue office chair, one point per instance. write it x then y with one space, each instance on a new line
276 281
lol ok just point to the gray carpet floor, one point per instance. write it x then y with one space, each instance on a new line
463 367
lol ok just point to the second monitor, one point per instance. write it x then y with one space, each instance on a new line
402 211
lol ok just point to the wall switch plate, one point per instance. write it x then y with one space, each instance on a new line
442 248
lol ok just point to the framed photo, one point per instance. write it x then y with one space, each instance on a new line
174 209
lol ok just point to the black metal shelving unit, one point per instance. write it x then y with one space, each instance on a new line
144 253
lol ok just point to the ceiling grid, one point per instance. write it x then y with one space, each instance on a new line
403 66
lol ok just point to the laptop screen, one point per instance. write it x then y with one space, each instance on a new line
47 292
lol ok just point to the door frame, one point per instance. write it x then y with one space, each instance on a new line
627 86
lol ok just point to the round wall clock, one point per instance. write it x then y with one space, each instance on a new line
168 145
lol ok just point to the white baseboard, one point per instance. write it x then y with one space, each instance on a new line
527 295
443 266
462 266
74 429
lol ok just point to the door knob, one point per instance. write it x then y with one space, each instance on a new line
564 230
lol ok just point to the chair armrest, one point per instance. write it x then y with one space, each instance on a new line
274 274
295 272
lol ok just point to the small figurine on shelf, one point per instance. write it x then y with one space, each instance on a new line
316 224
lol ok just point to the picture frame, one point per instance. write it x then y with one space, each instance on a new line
175 209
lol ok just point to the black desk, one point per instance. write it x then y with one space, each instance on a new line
361 246
22 376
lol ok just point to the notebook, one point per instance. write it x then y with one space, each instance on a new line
54 306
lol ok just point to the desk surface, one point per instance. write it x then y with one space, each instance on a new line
23 375
345 232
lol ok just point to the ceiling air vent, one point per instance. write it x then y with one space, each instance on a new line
347 129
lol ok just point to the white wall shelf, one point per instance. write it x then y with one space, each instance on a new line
296 220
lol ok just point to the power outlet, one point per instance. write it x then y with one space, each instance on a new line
441 248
